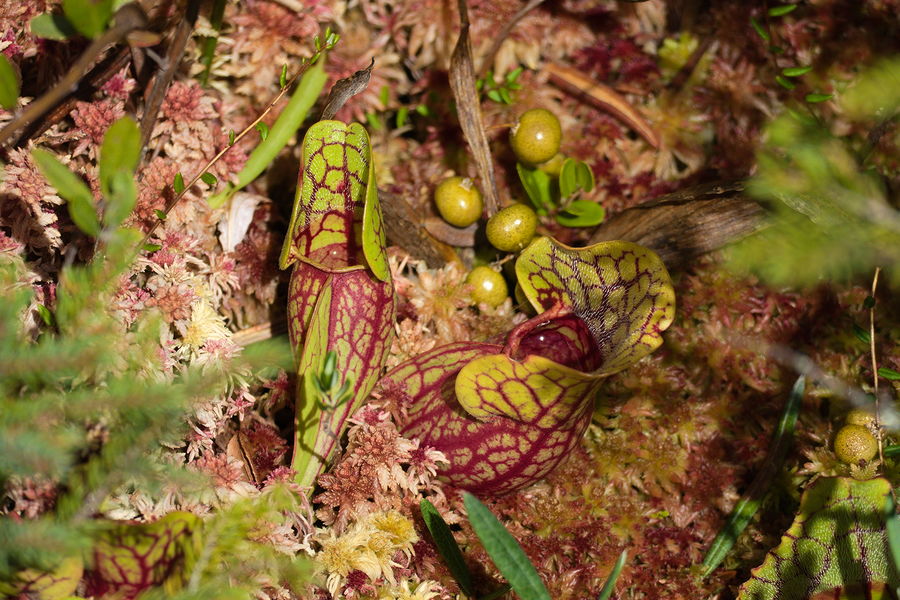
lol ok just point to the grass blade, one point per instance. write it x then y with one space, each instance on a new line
505 551
750 501
610 583
447 547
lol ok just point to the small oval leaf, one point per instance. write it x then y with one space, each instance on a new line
71 188
581 213
9 84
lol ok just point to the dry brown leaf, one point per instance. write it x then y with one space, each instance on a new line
468 107
604 98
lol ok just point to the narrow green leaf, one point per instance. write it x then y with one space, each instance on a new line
263 130
121 151
891 451
423 110
610 584
498 593
160 214
749 503
537 187
209 179
9 84
504 96
785 83
816 98
290 119
780 11
178 183
888 374
796 71
231 137
581 213
513 75
505 551
384 96
447 546
45 314
495 96
152 247
760 30
87 16
861 334
282 79
121 198
52 26
71 188
374 121
402 116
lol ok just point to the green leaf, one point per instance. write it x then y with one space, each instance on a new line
121 198
504 96
892 528
447 547
9 84
152 247
796 71
70 187
785 83
861 334
537 187
513 75
402 116
816 98
495 96
780 11
610 584
120 152
263 130
282 79
209 179
231 137
749 503
581 213
45 314
888 374
374 120
574 175
760 30
51 26
505 551
178 184
160 214
89 17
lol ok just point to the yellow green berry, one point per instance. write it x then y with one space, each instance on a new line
858 416
854 443
488 286
512 228
458 201
536 136
553 166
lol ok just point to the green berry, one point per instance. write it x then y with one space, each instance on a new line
488 285
512 228
858 416
458 201
536 136
553 166
855 443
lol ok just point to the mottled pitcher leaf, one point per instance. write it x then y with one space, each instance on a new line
621 290
836 546
54 585
340 296
133 557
